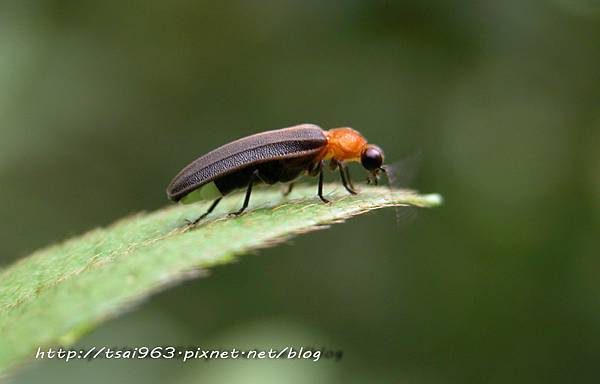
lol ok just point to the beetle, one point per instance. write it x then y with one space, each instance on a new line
281 155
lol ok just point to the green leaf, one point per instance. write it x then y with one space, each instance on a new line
58 293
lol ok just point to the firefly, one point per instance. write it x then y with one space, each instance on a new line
277 156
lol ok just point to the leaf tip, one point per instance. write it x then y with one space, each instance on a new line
433 200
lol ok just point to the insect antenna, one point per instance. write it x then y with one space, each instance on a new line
401 174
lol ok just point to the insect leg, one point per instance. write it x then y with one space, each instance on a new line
289 189
320 190
248 193
346 179
208 211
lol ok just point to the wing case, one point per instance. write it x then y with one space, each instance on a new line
297 141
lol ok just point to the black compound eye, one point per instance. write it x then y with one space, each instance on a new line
372 158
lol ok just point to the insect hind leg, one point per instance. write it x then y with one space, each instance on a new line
208 211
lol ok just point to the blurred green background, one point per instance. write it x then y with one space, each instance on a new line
102 102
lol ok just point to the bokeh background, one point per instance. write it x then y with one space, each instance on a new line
102 102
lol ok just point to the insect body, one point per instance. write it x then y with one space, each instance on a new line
270 157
